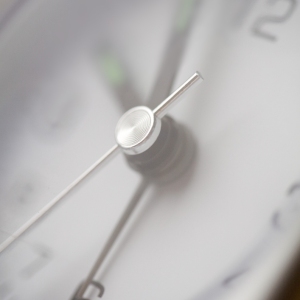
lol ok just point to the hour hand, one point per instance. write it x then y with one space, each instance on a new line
173 52
117 77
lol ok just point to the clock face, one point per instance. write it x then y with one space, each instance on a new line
207 227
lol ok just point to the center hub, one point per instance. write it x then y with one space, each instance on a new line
137 130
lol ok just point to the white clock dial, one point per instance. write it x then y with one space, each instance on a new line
70 69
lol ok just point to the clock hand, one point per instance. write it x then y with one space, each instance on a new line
50 205
173 53
136 132
163 107
117 77
111 240
159 111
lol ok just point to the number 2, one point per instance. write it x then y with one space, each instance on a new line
258 28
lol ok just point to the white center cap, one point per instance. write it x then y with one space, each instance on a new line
137 130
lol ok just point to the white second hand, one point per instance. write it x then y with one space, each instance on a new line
109 154
159 111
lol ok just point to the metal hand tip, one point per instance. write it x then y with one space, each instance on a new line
165 106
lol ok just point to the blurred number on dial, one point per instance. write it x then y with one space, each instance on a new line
44 256
259 28
34 258
58 113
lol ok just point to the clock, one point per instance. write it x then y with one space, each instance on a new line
198 200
